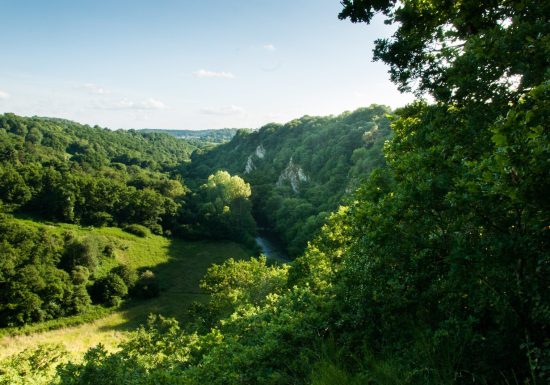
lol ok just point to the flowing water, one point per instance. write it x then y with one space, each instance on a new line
271 249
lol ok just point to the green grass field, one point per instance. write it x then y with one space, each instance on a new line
179 266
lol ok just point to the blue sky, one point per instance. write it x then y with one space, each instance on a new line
187 64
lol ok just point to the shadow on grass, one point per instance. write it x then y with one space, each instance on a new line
179 279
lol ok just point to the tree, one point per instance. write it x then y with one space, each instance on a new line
13 190
109 290
461 51
225 209
452 233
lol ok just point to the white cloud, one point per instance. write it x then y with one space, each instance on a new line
152 104
223 111
125 104
95 89
213 74
269 47
4 95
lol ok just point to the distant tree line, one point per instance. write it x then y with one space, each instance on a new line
63 171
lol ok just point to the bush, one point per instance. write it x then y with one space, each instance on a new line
128 275
147 285
139 230
101 219
156 229
80 275
109 250
105 289
81 253
79 300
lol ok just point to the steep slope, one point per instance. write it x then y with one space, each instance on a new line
301 170
75 173
60 139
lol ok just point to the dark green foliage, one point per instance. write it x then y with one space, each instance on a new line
90 175
81 253
300 171
41 276
109 290
128 275
140 231
147 285
455 234
437 272
467 52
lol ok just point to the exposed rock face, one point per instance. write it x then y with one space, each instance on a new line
258 153
293 174
249 165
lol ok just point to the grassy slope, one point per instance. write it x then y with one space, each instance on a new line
178 264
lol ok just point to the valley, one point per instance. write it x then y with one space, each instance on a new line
178 264
402 245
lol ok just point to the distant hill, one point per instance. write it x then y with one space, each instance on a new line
222 135
301 170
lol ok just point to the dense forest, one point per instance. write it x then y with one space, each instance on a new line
434 271
52 169
217 136
299 171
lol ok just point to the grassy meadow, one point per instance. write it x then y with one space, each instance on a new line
178 264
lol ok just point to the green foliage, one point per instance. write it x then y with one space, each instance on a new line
235 284
93 176
435 273
31 367
81 252
153 356
36 281
200 138
109 290
128 275
462 52
147 285
457 238
221 209
300 171
139 230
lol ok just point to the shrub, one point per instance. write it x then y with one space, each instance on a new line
81 253
109 250
147 285
101 219
156 229
104 289
80 275
139 230
128 275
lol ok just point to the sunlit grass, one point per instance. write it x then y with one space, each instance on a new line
179 266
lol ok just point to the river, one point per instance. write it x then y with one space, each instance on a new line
271 249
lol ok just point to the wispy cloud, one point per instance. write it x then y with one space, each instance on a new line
4 95
94 89
125 104
202 73
269 47
223 111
